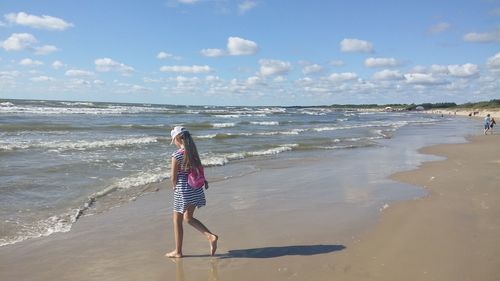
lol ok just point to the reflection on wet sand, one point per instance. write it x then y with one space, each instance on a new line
213 274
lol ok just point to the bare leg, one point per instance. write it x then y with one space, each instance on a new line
212 238
178 234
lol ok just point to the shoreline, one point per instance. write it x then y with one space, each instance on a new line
275 241
451 234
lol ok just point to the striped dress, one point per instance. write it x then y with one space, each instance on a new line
184 195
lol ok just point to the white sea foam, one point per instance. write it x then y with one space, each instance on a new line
100 144
211 136
80 145
272 133
266 123
42 228
275 150
223 125
228 116
142 178
77 103
313 113
397 124
108 110
64 222
223 159
213 160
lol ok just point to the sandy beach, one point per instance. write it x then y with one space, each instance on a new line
476 113
450 234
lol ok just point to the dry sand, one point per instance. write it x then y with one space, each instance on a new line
451 234
480 113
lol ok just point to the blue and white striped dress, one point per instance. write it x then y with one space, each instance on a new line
184 195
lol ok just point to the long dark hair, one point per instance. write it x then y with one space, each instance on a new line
191 157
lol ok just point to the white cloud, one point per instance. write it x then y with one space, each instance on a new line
212 52
30 62
163 55
438 28
312 68
422 79
138 89
42 79
279 79
438 69
182 80
187 69
212 78
43 22
342 77
18 42
274 67
465 70
387 74
9 74
253 80
494 61
58 65
237 46
355 45
486 37
45 50
246 6
78 73
107 65
78 83
381 62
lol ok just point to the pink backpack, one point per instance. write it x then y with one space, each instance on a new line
196 178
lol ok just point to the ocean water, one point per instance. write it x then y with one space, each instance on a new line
60 160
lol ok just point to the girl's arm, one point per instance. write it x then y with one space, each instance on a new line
173 172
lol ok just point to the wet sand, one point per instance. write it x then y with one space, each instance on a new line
267 234
262 237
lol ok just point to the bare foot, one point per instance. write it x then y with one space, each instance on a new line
173 254
213 243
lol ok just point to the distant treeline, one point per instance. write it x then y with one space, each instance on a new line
442 105
451 105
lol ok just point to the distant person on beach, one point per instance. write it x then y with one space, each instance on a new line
186 198
487 121
492 123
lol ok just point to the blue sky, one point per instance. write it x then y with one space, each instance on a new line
250 52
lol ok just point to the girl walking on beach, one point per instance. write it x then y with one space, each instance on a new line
186 198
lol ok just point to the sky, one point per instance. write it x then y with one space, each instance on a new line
251 52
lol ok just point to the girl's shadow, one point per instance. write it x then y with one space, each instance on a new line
273 252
